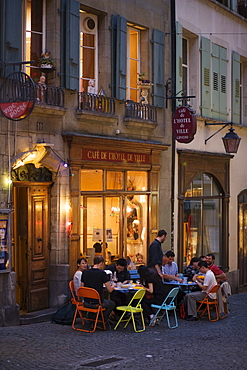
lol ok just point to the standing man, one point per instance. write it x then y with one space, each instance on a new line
219 274
155 253
95 278
192 298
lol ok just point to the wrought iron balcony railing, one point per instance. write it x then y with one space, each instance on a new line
50 95
96 103
140 111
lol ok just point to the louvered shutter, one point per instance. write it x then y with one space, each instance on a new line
158 68
235 87
119 56
216 81
205 78
179 61
223 83
71 35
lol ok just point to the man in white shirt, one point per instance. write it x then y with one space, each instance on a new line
192 298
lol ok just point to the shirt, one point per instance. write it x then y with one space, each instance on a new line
77 280
210 281
155 254
122 275
170 269
189 272
94 278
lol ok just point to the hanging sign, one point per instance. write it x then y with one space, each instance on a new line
17 96
184 125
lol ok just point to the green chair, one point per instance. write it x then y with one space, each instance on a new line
165 307
133 307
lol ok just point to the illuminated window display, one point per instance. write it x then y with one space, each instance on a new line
113 211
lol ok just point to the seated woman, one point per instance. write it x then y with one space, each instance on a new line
155 291
81 266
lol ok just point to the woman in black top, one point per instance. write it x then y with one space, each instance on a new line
155 291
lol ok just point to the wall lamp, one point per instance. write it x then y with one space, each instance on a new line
231 140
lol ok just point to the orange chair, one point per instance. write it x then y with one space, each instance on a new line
210 304
73 295
89 293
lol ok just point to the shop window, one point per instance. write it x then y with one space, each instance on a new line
88 53
91 180
114 180
202 218
117 216
34 37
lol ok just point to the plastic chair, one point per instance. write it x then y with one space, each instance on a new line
210 304
167 305
96 309
133 309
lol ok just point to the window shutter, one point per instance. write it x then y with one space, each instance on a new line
158 69
11 11
205 78
119 55
235 87
71 34
216 81
179 61
223 83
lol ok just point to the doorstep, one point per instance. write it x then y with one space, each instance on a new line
37 316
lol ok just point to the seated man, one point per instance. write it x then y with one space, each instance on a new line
192 298
192 269
219 274
120 272
169 267
95 278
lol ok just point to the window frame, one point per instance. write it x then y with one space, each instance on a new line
128 59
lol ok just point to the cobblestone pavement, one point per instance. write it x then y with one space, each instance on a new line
193 345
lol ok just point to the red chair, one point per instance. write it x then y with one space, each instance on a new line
209 304
98 310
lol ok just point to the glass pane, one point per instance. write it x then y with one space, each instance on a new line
112 234
37 12
207 182
136 223
185 43
91 180
133 73
211 228
192 229
197 186
133 44
114 180
137 181
94 222
88 40
88 63
4 249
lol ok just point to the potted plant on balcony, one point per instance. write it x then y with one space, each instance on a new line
46 62
142 78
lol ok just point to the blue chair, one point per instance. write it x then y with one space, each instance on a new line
167 305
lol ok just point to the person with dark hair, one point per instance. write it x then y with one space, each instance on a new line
219 274
120 274
169 273
98 248
96 278
192 298
155 291
202 258
192 269
155 253
81 266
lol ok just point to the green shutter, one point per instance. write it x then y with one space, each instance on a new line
158 69
215 81
205 78
235 87
119 56
223 83
179 61
70 37
11 31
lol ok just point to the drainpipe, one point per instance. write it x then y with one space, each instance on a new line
173 78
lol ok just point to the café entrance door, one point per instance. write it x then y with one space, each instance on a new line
31 245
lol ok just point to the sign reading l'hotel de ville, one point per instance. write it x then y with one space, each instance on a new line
184 125
114 156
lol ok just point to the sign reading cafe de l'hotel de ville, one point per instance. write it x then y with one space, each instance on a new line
184 124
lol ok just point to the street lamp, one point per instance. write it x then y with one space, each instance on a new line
231 140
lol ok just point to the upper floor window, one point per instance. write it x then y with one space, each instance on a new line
34 35
133 63
185 66
88 53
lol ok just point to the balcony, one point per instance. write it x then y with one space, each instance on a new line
49 95
139 111
96 103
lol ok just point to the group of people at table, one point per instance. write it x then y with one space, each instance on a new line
201 275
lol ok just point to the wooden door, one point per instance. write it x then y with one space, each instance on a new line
38 248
